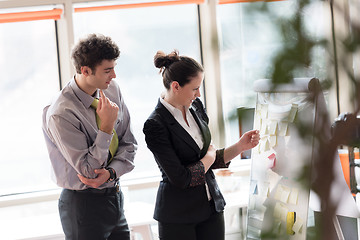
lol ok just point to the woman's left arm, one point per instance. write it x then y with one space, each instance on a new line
247 141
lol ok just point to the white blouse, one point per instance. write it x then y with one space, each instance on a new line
193 128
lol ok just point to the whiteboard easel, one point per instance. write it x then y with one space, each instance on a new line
276 194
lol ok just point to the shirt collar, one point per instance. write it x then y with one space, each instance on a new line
85 98
170 107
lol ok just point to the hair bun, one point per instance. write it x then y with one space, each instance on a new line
161 60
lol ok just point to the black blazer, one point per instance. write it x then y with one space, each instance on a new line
181 196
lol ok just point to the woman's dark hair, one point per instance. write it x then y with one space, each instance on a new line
92 50
176 68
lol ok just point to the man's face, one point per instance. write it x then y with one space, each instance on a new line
103 74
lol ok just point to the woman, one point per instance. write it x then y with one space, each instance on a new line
189 204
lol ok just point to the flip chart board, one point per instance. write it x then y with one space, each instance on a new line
278 201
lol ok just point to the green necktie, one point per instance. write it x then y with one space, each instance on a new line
114 141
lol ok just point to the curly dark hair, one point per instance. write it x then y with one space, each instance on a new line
92 50
176 68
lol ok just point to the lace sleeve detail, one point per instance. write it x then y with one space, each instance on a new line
197 174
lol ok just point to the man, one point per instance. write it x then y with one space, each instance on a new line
90 149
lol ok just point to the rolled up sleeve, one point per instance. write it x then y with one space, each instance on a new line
219 160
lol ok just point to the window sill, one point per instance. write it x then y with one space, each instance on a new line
37 213
50 195
238 167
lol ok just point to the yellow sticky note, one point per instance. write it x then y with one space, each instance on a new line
264 128
292 113
277 210
265 145
264 189
290 219
283 128
282 193
293 198
272 141
264 110
273 178
258 109
256 149
273 127
285 194
278 192
257 122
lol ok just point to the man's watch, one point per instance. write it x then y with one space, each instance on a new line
112 174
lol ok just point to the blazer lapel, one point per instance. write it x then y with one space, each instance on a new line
204 130
175 127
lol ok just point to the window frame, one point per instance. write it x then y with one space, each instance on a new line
63 21
209 52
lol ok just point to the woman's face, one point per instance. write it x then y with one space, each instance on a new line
190 91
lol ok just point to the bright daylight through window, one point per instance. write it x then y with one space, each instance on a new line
29 69
139 39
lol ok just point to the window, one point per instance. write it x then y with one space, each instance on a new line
159 28
248 41
29 69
